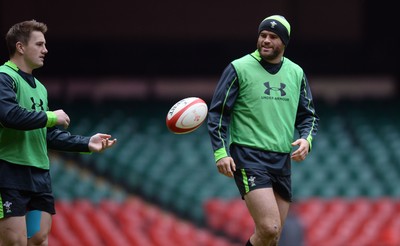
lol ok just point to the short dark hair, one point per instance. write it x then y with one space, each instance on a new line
21 32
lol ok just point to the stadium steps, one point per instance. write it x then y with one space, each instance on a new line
360 221
71 182
92 211
131 222
355 153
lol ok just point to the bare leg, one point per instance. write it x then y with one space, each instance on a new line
283 206
13 231
41 237
269 212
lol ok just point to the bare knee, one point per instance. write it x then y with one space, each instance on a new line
39 239
268 232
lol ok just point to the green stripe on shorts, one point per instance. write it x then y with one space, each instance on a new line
245 182
1 208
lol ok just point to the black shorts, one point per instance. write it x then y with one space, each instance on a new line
248 179
257 169
18 203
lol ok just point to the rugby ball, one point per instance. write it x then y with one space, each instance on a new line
186 115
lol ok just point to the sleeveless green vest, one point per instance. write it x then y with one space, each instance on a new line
265 110
25 147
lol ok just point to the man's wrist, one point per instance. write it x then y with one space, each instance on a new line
51 119
220 153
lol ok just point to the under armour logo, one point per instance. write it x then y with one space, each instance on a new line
37 105
269 89
273 24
